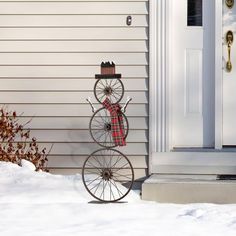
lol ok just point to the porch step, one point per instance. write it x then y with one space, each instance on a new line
190 189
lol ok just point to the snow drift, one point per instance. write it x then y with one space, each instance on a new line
40 204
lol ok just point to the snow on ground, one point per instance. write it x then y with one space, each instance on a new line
41 204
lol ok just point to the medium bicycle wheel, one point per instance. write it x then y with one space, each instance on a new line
100 128
108 175
112 88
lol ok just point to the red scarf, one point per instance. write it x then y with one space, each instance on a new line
117 124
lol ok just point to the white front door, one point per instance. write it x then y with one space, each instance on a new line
229 77
192 85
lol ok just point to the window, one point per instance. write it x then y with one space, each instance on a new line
194 13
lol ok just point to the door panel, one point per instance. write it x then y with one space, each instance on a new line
193 74
229 79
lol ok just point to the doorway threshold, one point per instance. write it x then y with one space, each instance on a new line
194 149
192 161
205 149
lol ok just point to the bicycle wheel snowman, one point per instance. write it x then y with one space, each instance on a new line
107 173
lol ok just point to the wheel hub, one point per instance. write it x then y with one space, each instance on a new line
106 174
107 91
107 127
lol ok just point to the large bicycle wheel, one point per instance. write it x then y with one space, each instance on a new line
112 88
108 175
100 128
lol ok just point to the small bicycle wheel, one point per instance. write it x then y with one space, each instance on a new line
108 175
112 88
100 128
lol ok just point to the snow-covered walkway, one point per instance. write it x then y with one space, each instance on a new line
39 204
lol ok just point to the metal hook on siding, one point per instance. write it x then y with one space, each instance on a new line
129 20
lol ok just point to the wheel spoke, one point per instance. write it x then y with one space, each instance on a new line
118 159
110 97
110 83
116 93
103 191
119 192
102 97
95 132
103 118
116 82
97 127
99 92
99 138
110 159
91 165
122 167
93 180
100 81
91 172
111 141
113 95
106 115
100 88
95 158
110 190
104 161
106 141
95 119
97 185
126 176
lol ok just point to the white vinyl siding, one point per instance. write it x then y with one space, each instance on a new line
49 54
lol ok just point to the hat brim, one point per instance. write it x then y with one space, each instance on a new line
108 76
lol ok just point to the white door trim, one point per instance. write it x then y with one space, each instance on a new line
160 108
218 76
159 72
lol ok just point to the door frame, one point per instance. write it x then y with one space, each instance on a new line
161 159
159 77
218 75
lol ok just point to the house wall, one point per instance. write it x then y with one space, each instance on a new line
49 53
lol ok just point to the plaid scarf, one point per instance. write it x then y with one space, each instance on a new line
117 124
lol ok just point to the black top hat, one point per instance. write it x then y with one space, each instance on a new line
108 71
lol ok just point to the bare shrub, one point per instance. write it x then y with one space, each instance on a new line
16 143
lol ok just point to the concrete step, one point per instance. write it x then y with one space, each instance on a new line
189 189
